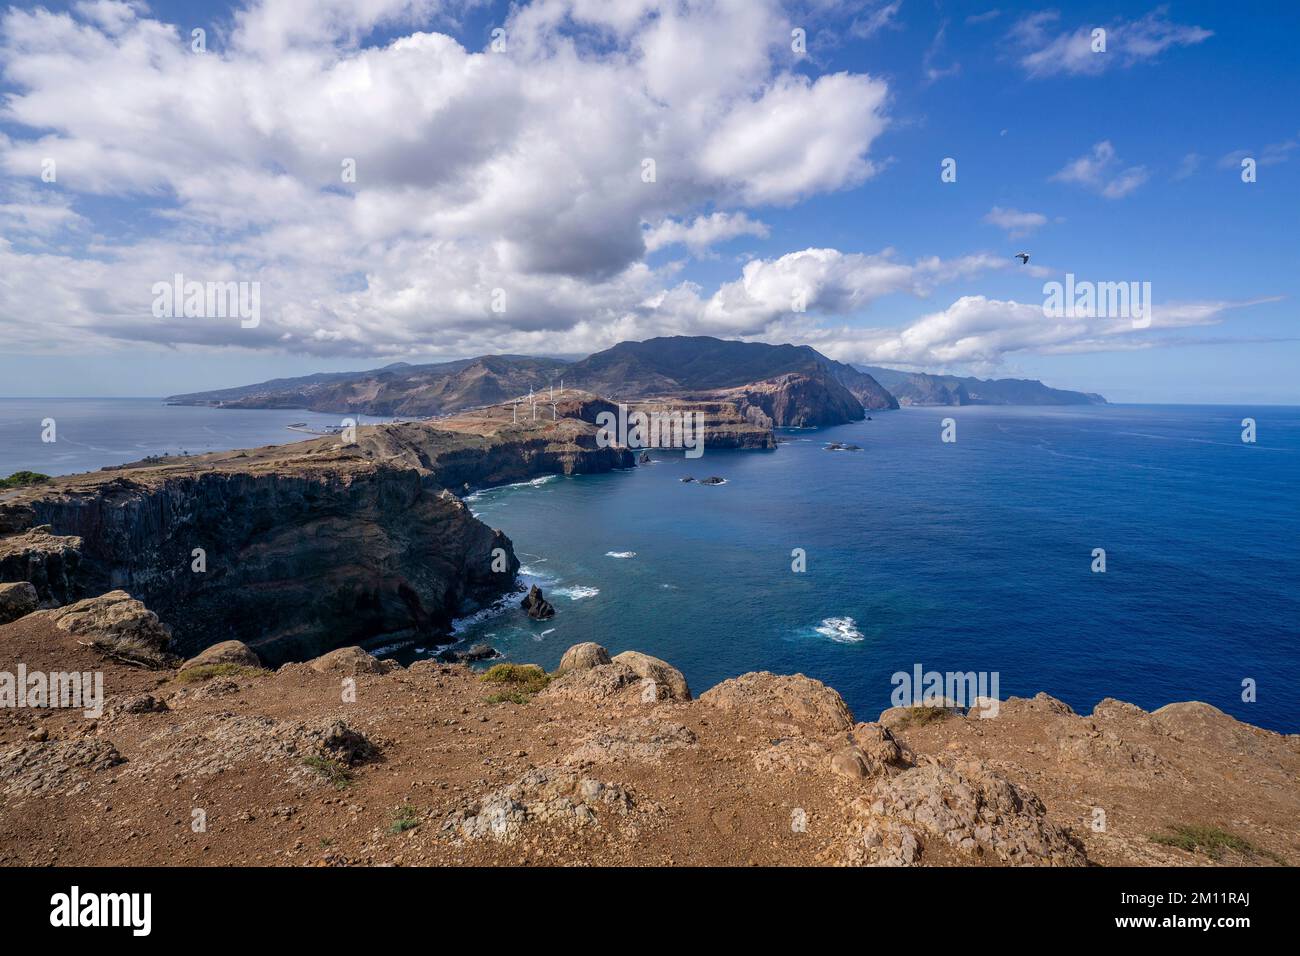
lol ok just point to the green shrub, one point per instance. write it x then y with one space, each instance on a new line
1212 841
332 770
406 818
202 672
518 682
20 479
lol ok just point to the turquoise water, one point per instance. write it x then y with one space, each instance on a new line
971 556
91 433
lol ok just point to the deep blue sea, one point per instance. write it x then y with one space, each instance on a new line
970 556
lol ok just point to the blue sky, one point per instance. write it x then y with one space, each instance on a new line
517 170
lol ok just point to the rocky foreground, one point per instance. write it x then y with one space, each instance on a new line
346 759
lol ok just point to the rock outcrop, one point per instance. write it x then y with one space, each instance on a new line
794 698
433 765
235 653
16 600
538 608
969 807
670 683
297 549
350 661
50 562
118 624
798 401
582 656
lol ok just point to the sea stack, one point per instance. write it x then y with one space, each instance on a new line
538 608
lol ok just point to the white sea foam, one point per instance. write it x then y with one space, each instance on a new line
842 630
620 554
531 483
505 603
531 574
577 592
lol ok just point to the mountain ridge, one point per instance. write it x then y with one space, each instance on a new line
822 391
928 388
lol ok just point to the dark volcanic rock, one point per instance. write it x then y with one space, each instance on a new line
299 549
16 600
51 562
296 562
713 480
800 401
538 608
479 652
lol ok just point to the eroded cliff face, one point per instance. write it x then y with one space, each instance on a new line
298 549
290 563
799 401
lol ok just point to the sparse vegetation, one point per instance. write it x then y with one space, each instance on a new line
332 770
202 672
406 818
1212 841
21 479
130 650
518 682
922 714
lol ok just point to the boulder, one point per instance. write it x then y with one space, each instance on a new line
785 697
340 742
16 600
139 704
872 752
850 762
972 808
349 660
582 656
118 624
227 652
878 745
667 677
538 608
604 683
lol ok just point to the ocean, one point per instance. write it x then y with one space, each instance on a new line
91 433
970 556
975 555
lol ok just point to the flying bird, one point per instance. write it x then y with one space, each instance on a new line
1023 257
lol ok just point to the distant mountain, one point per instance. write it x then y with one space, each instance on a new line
699 363
772 384
923 388
399 389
